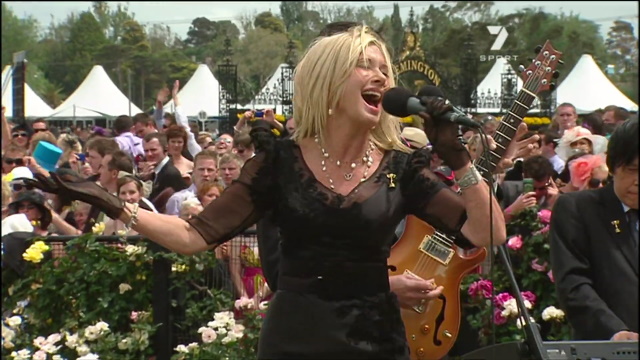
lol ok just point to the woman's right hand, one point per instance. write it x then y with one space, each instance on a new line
412 291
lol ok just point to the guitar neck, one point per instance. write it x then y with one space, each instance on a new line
505 132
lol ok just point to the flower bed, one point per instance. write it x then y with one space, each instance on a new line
528 247
95 302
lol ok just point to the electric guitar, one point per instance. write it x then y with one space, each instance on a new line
422 251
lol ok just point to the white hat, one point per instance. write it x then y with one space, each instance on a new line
598 142
16 222
414 136
20 172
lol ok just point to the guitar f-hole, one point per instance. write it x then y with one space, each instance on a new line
439 320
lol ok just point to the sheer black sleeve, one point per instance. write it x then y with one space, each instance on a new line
428 198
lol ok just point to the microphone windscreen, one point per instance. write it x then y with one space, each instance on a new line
394 101
430 91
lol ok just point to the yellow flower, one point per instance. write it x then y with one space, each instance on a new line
40 245
98 228
179 267
34 252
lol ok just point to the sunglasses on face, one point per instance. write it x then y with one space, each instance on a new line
542 188
16 161
225 140
19 134
20 187
596 183
39 130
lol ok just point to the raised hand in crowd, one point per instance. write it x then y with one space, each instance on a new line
174 92
524 201
552 194
146 169
270 117
243 121
33 165
163 95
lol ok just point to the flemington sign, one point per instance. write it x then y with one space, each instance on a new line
412 59
420 66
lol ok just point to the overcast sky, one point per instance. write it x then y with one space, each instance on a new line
178 15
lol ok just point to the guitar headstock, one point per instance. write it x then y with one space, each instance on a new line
538 76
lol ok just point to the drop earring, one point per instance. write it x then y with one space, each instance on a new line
330 112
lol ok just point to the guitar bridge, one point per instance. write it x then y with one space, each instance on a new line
420 309
437 250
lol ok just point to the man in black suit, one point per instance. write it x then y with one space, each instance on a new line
594 248
159 167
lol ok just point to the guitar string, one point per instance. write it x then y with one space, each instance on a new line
425 263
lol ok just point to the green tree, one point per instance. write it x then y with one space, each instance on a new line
622 46
396 30
17 34
266 20
302 22
254 71
86 38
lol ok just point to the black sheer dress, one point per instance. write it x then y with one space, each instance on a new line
333 299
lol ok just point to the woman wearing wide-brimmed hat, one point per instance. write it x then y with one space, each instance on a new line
31 203
579 138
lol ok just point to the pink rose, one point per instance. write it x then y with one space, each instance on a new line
515 242
134 316
528 295
539 267
498 319
481 287
544 216
501 298
550 275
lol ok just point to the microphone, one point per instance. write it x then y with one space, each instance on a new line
401 102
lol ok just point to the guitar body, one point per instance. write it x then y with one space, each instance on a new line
432 328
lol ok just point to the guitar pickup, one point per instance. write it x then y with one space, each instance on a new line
436 249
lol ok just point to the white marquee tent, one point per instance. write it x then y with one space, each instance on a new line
269 96
33 104
97 96
589 89
490 88
200 93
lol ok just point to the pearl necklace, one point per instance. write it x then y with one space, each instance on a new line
367 160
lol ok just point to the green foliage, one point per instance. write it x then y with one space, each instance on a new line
528 248
94 285
17 34
110 36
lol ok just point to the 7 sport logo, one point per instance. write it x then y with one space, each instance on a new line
502 33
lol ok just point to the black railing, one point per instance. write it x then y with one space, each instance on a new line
165 316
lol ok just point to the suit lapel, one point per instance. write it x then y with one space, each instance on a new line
617 225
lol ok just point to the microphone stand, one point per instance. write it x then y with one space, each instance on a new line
533 344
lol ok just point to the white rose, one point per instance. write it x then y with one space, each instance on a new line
72 340
7 333
192 346
40 355
209 335
14 321
83 350
123 344
181 349
124 288
91 333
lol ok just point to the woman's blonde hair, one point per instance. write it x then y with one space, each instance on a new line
70 144
319 83
46 136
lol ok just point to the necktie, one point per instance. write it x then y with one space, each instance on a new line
632 215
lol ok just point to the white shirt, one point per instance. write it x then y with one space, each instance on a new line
175 201
160 165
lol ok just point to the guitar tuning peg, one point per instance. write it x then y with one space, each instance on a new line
556 74
538 49
521 67
560 62
552 86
